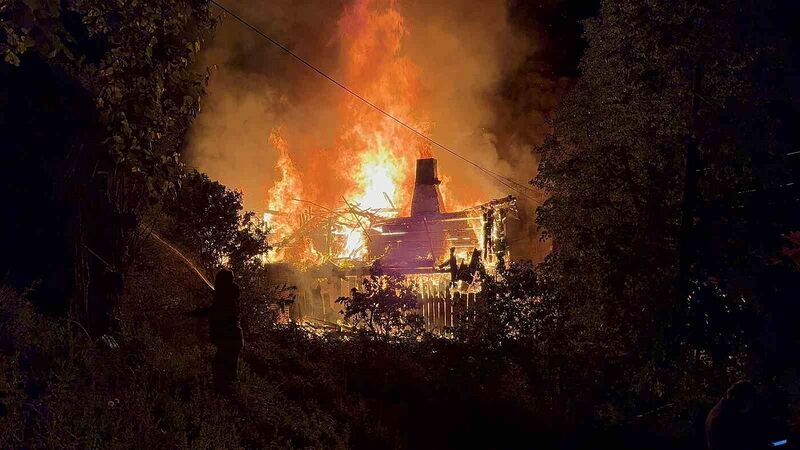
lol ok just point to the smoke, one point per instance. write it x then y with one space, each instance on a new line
459 70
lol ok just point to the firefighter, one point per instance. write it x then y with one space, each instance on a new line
225 331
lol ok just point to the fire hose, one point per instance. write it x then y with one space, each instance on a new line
184 258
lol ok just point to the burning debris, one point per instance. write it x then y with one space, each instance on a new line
350 236
420 243
442 253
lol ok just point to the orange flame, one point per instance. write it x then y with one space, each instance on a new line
374 156
284 214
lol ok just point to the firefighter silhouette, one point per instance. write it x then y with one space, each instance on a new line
225 330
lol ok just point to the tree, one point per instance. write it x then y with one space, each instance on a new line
96 97
670 177
386 305
207 221
508 310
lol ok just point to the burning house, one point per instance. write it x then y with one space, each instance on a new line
440 252
351 186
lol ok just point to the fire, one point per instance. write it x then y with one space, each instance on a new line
372 154
380 176
287 187
284 214
382 151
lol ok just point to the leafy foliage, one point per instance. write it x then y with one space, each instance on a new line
509 309
207 221
668 167
385 305
60 389
121 94
133 59
208 218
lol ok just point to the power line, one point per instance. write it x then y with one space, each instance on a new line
505 181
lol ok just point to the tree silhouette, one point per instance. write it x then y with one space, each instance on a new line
97 98
386 305
671 178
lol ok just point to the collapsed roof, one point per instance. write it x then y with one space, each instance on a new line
419 243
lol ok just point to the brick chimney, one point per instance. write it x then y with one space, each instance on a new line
427 200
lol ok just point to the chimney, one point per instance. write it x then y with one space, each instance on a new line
427 199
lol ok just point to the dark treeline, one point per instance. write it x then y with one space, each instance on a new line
670 170
672 173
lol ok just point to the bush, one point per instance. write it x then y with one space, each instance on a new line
63 390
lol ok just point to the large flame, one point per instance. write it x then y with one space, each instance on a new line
376 150
287 187
285 215
373 156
